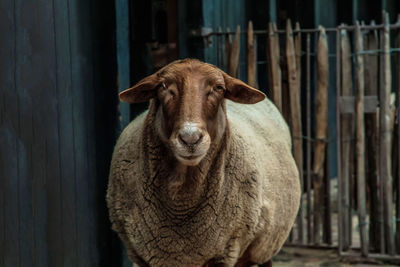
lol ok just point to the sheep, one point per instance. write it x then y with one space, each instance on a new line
198 180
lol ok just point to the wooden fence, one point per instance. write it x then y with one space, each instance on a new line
358 211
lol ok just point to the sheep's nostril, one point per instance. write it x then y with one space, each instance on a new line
181 139
190 138
198 140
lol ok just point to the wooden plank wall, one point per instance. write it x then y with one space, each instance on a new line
57 111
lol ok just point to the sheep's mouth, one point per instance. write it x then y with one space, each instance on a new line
191 160
189 157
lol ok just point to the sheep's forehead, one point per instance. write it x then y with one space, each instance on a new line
182 72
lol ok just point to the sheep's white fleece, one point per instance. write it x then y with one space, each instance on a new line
247 207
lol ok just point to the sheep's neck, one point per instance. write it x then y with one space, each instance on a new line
197 182
176 183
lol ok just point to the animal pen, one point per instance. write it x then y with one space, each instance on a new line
359 212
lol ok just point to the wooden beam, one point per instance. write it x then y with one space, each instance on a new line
234 55
371 131
275 76
346 134
360 140
251 57
384 139
321 130
295 112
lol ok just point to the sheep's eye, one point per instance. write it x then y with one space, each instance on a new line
219 88
171 92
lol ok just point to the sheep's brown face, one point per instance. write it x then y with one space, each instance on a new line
191 114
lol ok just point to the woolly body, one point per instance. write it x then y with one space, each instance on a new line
240 202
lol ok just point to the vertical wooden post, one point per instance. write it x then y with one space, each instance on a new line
295 112
321 112
251 57
384 139
339 139
308 89
274 67
397 182
360 140
371 131
228 45
346 136
297 45
234 56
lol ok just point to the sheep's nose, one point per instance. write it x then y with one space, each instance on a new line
190 135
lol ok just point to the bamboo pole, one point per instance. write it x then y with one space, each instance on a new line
360 140
321 130
346 125
371 89
384 139
251 57
234 56
295 113
228 47
275 76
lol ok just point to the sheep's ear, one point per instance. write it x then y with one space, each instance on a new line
143 91
239 92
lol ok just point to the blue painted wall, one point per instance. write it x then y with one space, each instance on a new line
224 14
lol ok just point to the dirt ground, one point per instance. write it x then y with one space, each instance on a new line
306 257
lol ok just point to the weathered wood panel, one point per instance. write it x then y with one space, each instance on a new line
58 100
